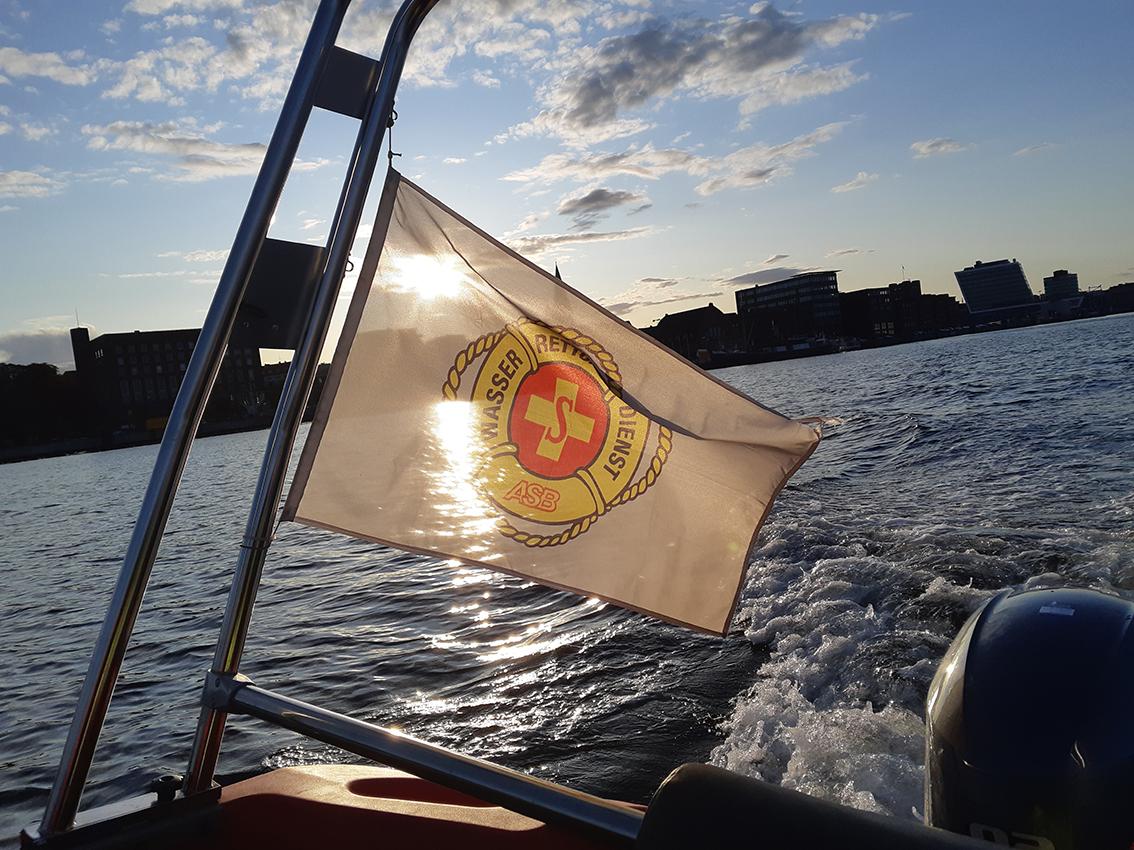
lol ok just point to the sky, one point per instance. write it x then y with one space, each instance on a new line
663 153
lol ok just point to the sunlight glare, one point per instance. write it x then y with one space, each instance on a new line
455 432
428 276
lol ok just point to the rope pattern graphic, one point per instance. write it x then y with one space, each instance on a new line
475 349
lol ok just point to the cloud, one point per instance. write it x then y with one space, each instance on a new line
198 256
748 167
42 340
1036 148
589 208
195 157
515 39
857 182
36 132
155 75
5 128
653 292
758 164
763 276
159 7
531 246
645 161
454 160
28 184
7 208
775 258
529 221
483 78
198 275
936 147
17 63
758 61
175 21
848 252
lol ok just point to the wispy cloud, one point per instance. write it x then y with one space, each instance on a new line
1036 148
193 156
857 182
28 184
936 147
645 161
35 132
160 7
483 78
590 207
748 167
198 256
655 292
535 245
50 66
762 276
759 164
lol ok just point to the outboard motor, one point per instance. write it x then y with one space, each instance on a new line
1030 724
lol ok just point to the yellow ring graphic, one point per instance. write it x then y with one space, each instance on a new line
602 363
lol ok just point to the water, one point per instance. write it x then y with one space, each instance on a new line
951 469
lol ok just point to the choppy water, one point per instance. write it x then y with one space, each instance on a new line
954 468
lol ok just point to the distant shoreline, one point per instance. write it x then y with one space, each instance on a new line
88 445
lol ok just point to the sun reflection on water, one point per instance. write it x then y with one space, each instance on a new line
455 484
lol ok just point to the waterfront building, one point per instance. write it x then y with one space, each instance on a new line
1120 298
695 334
799 308
995 287
898 312
867 314
132 379
1061 284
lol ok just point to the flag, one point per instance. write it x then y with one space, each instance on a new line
480 409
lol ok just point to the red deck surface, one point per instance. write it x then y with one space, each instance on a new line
361 806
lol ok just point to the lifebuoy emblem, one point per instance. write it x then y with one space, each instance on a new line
555 444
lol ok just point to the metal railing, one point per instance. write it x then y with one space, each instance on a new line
225 692
544 801
110 647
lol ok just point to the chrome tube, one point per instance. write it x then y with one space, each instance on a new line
297 387
536 798
106 660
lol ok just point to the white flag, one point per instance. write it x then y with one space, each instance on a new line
480 409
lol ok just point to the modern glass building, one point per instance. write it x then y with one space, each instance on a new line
998 285
1061 284
802 307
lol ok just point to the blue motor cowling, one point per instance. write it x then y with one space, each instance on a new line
1030 723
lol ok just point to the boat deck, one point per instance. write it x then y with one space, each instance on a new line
366 806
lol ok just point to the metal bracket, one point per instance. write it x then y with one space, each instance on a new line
347 83
277 302
220 689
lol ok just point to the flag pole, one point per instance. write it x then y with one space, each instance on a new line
297 386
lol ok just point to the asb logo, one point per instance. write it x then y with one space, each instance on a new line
555 445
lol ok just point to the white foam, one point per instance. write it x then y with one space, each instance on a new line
853 640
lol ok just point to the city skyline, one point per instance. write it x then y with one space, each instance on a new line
664 154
